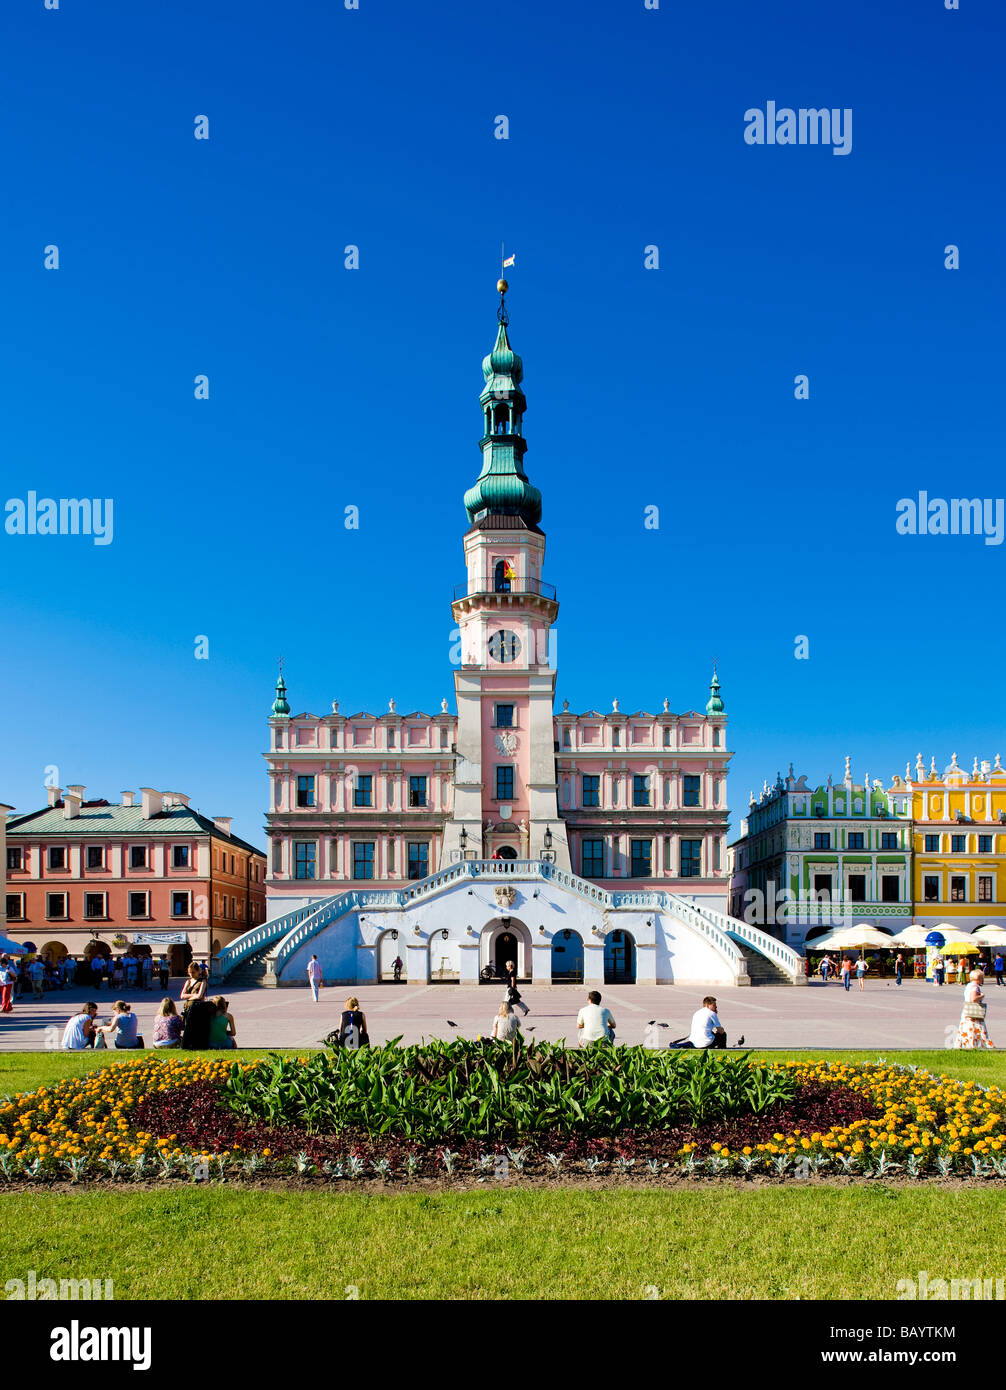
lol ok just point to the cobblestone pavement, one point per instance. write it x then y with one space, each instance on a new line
916 1015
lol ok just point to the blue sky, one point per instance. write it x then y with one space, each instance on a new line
331 387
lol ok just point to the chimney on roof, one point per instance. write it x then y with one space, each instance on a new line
71 802
54 794
176 799
152 802
129 798
223 824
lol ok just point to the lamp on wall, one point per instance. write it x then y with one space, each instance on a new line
548 837
464 841
445 933
541 930
470 930
535 893
415 930
649 921
394 932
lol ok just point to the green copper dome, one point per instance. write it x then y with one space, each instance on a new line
715 705
502 487
280 705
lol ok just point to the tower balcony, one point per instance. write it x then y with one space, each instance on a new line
512 588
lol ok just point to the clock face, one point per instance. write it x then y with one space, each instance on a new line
504 646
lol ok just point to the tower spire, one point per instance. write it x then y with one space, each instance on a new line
280 705
502 488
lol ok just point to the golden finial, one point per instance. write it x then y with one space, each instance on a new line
502 286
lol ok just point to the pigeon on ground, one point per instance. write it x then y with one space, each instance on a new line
530 1028
740 1041
451 1022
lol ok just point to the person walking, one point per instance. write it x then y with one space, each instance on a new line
972 1031
147 970
825 969
512 992
595 1024
939 970
899 968
862 966
8 978
36 973
998 965
164 970
506 1024
846 973
314 976
97 965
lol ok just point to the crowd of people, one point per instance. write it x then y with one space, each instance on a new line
36 973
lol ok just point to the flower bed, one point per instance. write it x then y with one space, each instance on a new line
212 1118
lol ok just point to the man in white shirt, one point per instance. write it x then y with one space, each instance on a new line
314 976
595 1024
707 1030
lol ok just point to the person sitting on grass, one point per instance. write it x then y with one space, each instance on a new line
122 1028
223 1032
196 1031
167 1025
707 1031
594 1024
506 1025
79 1031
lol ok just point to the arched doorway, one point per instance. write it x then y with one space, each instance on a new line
389 949
567 957
619 958
507 852
53 951
180 957
505 939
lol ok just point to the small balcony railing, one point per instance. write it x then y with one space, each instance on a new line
510 586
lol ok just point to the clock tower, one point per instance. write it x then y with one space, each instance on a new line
505 779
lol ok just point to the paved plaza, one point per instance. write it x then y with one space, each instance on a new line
917 1015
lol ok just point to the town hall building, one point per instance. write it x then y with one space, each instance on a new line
585 847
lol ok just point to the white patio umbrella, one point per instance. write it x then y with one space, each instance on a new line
912 938
989 936
859 937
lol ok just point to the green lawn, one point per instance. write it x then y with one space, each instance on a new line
851 1241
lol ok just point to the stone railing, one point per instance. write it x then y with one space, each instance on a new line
251 942
788 960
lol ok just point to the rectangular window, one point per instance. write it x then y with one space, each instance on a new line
55 904
277 856
14 860
13 907
984 888
419 859
137 856
931 888
179 904
95 857
692 787
57 858
822 887
363 859
305 791
984 844
932 844
94 904
391 738
889 888
691 858
591 791
857 888
417 791
363 792
641 791
390 860
822 839
855 839
504 784
958 844
303 858
504 716
889 840
958 884
180 856
137 904
593 858
642 854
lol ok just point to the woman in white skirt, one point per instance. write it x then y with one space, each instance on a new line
971 1031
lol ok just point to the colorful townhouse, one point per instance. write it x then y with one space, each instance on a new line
584 846
152 874
826 856
959 831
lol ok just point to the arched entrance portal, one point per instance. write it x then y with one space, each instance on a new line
389 949
619 958
507 852
505 939
567 957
